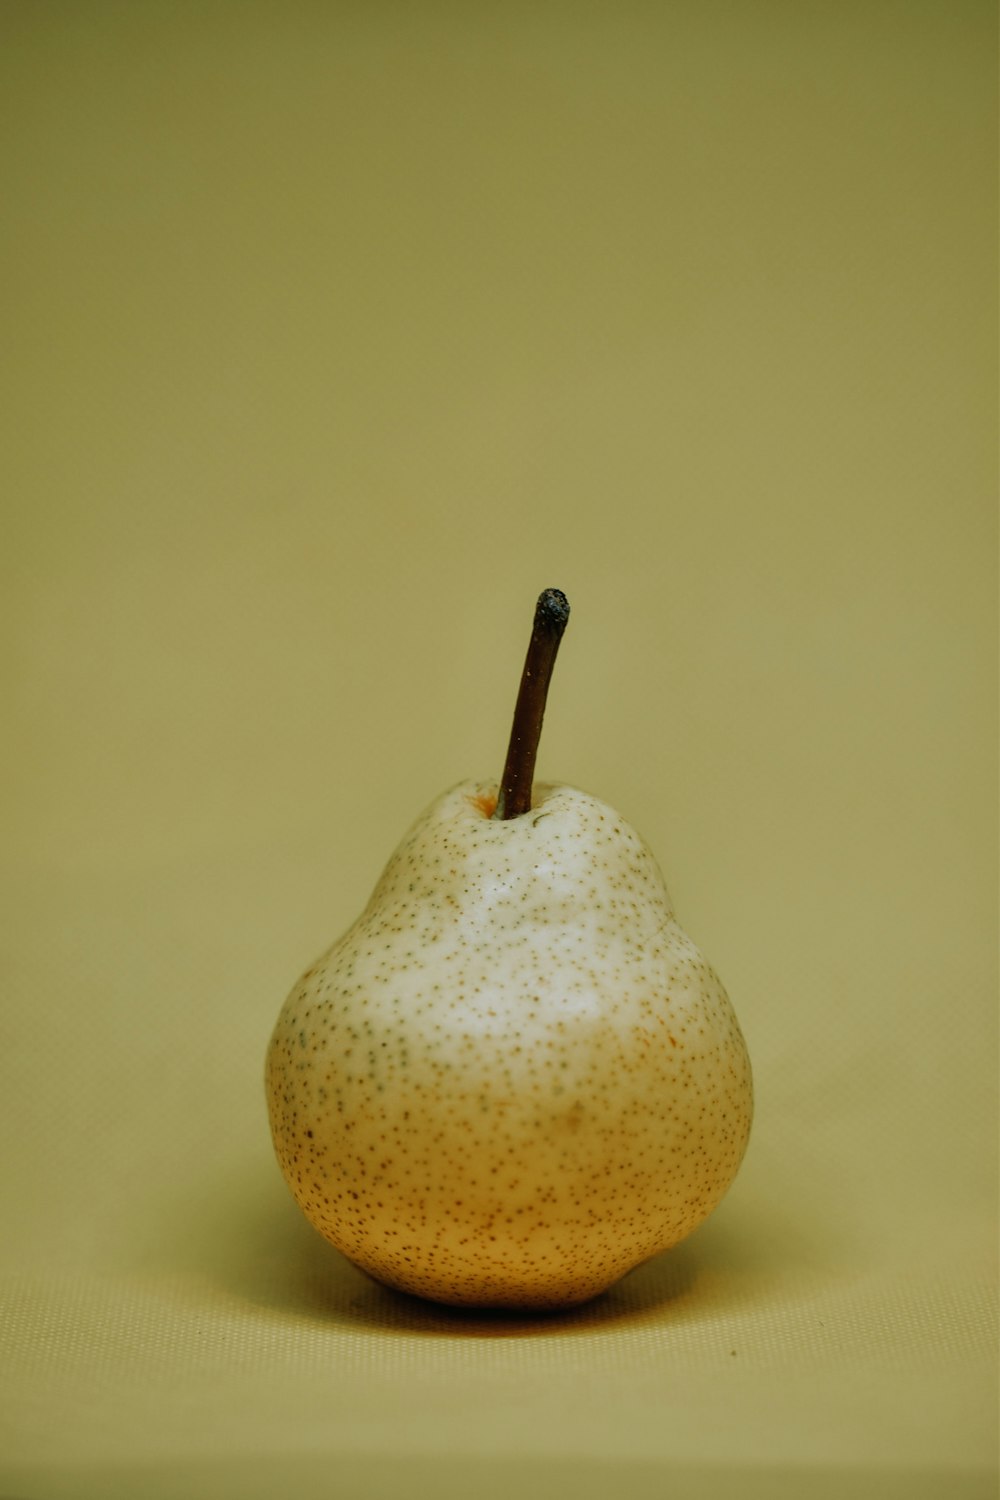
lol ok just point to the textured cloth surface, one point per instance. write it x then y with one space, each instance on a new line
333 334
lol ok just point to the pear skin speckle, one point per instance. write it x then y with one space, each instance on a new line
514 1078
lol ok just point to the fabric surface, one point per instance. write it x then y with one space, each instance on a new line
333 334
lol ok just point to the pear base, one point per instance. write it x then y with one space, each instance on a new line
512 1300
515 1288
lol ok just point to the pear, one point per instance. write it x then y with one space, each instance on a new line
514 1078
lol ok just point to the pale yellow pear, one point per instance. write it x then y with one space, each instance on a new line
514 1078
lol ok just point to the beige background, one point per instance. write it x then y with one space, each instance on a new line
334 332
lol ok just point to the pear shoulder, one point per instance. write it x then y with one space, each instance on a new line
570 847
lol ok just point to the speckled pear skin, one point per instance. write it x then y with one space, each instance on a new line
514 1078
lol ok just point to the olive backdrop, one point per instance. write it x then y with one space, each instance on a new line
332 334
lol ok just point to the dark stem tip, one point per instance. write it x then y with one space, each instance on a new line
552 611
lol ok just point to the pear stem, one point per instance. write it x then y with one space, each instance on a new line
551 615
